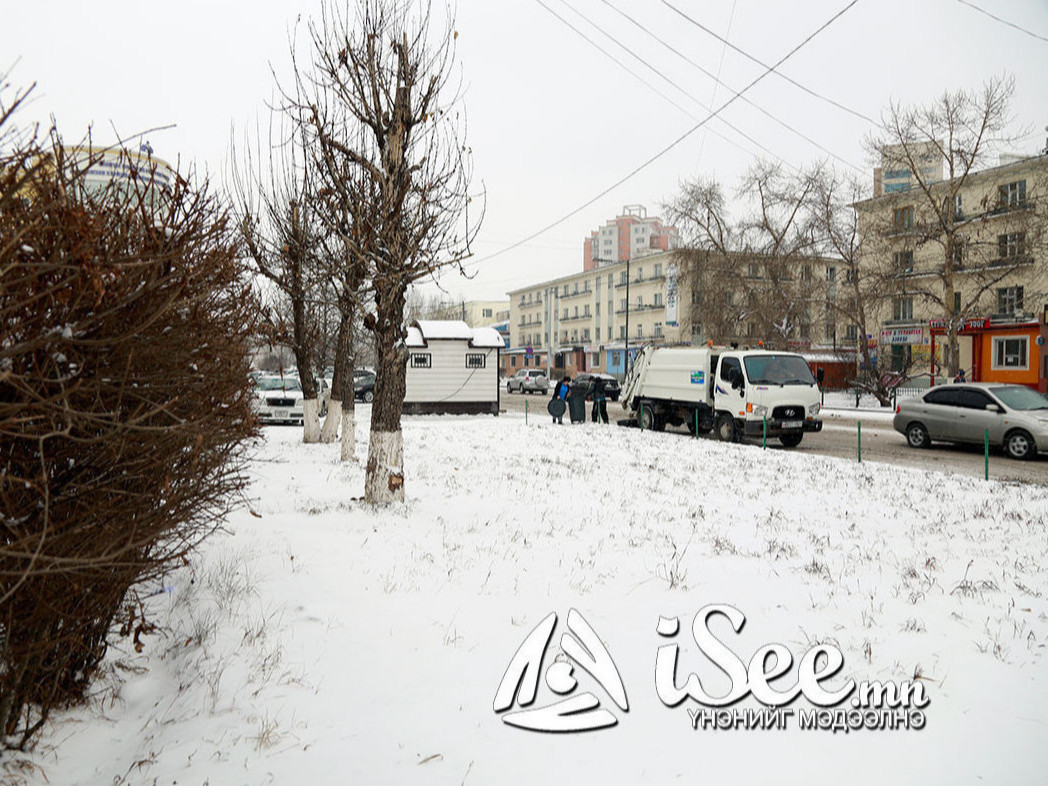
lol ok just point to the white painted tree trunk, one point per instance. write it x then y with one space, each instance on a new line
385 471
311 420
329 431
349 436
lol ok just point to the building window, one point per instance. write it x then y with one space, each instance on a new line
1011 245
831 274
902 308
622 304
640 331
658 298
576 312
622 278
658 270
956 303
1013 194
1011 352
851 333
1010 300
565 316
421 360
753 270
475 360
622 331
903 261
486 312
902 218
640 301
594 359
513 361
805 330
598 334
696 329
658 330
695 297
806 273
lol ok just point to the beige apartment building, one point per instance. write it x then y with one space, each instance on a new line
587 319
992 228
475 313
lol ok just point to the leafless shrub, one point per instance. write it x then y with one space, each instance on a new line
125 318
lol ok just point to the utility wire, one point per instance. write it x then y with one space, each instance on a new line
641 79
674 143
665 78
720 69
762 64
1003 21
717 80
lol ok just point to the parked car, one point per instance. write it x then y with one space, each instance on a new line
1015 416
612 388
528 380
364 385
279 399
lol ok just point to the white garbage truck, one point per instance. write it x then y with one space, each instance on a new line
733 392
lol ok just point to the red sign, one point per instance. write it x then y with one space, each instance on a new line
972 323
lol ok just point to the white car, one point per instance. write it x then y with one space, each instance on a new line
279 399
528 380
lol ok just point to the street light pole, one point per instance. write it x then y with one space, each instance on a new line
626 357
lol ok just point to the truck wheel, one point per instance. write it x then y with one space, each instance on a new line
647 419
791 440
725 428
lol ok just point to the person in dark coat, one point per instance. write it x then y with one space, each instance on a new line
560 391
600 400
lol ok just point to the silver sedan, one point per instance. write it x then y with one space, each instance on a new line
1013 416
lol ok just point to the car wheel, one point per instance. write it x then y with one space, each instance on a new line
917 436
791 440
1020 445
725 428
369 396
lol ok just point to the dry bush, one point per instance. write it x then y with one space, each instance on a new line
124 408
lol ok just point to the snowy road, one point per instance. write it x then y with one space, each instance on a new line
880 443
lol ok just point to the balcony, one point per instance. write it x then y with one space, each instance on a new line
580 293
576 317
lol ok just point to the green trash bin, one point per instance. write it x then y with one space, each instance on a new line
577 403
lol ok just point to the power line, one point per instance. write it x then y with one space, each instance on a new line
666 79
1003 21
641 79
675 142
720 68
762 64
717 80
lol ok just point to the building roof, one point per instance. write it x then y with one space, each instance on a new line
425 330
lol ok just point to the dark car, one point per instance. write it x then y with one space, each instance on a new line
364 385
612 389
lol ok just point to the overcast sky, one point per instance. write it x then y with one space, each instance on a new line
553 121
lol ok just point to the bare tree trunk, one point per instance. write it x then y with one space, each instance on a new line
384 481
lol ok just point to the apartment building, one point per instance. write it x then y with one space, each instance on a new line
631 235
587 319
475 313
971 258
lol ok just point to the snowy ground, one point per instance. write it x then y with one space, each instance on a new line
319 642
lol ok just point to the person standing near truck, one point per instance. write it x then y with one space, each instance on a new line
560 393
600 400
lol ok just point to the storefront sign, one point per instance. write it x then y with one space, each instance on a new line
902 335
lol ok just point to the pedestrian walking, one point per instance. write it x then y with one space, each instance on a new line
600 400
557 403
960 376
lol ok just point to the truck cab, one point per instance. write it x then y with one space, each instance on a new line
758 390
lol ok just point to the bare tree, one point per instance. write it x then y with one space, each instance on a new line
395 123
275 209
757 276
955 238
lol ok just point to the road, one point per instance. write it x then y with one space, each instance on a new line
880 443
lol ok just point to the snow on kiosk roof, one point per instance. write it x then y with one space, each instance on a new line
422 331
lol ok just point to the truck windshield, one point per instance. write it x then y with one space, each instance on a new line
778 370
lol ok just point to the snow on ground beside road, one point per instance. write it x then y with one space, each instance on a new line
324 643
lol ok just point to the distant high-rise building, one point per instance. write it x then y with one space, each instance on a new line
629 236
895 173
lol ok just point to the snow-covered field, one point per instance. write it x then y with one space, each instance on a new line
320 642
